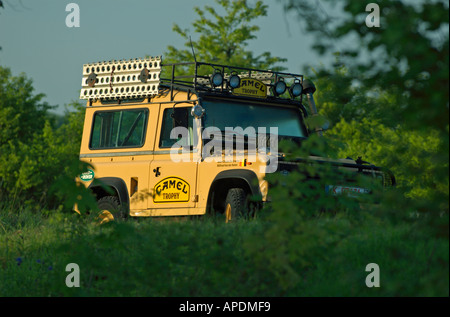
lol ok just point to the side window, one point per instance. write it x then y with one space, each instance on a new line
119 129
175 117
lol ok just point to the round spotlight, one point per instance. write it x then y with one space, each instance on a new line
217 78
234 81
280 87
296 89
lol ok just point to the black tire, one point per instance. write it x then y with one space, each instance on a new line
235 204
111 204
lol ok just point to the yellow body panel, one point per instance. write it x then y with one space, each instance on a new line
155 184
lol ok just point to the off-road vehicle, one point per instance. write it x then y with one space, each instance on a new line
169 145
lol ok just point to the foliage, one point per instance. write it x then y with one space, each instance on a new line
223 38
34 153
387 95
409 154
341 96
414 61
21 112
323 256
364 122
306 242
21 116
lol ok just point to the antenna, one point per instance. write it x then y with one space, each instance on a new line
192 47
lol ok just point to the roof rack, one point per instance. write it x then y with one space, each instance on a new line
201 80
141 78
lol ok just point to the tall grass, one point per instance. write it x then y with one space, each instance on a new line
205 257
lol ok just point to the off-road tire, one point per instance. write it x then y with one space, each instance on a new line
235 204
111 204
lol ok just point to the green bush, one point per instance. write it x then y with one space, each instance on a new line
311 256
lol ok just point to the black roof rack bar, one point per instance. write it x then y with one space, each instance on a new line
175 82
248 69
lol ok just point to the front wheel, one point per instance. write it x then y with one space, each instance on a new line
235 204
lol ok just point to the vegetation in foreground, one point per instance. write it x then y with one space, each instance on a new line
394 116
279 253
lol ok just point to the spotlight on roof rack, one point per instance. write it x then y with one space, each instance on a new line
296 89
280 87
234 81
217 78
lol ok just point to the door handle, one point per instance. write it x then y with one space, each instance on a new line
156 171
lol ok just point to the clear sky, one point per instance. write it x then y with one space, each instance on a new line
35 39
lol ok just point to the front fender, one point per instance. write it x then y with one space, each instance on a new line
118 186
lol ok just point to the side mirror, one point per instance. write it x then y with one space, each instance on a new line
308 87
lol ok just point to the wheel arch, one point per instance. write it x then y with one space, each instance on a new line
245 179
117 185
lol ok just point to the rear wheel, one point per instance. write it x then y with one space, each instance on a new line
110 209
235 204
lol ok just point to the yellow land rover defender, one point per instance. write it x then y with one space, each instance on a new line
167 145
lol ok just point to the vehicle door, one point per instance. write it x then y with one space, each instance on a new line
173 172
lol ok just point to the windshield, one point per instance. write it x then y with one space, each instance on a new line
223 114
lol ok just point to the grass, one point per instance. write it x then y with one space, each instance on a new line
323 256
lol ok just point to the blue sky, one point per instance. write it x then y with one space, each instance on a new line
35 39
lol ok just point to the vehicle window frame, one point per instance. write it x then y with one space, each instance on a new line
144 132
159 144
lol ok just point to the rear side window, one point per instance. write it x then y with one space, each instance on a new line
119 129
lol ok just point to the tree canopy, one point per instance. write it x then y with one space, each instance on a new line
222 35
387 95
34 152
